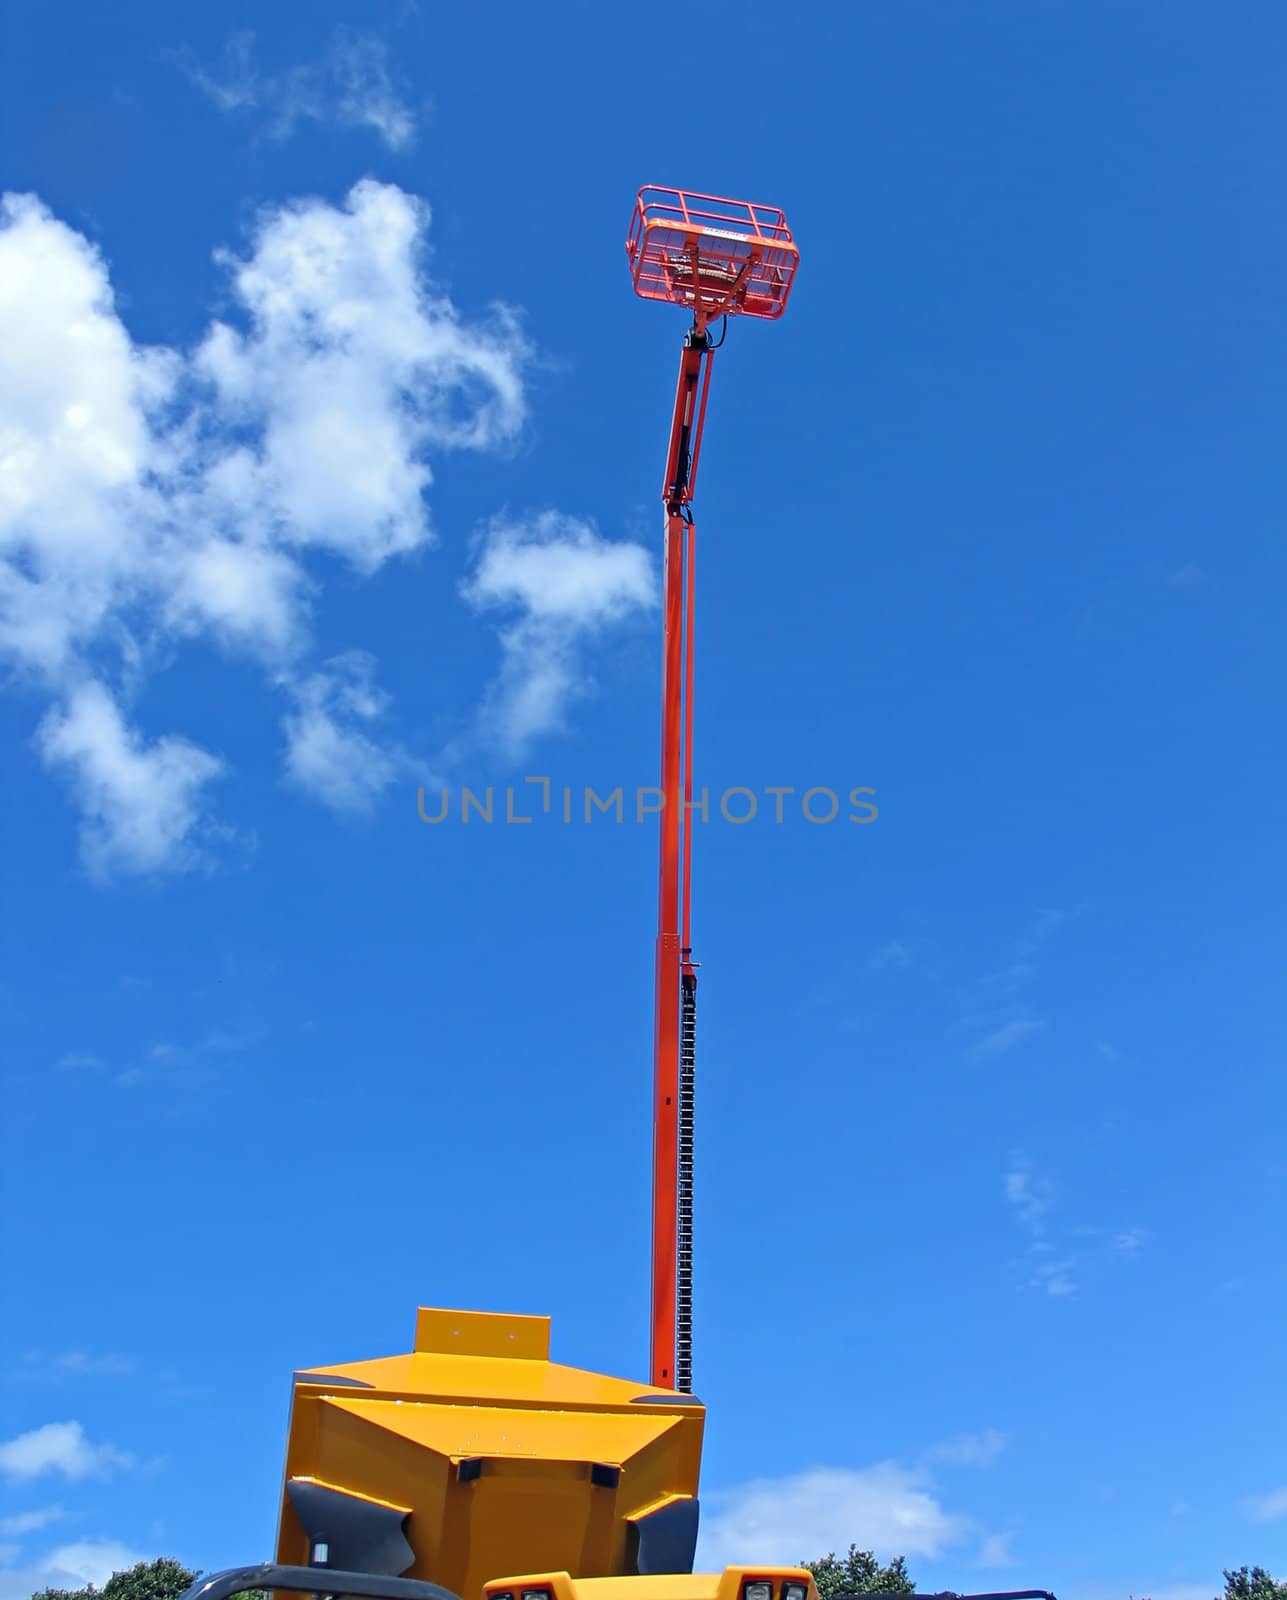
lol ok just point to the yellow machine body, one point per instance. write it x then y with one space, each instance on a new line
730 1584
476 1454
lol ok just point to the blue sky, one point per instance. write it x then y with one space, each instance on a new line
332 437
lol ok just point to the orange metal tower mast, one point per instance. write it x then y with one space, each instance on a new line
717 258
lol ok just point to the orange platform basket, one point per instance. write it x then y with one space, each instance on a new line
718 257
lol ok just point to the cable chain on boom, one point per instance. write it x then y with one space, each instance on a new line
684 1237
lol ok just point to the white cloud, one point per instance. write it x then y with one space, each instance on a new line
1268 1507
995 1551
1130 1241
885 1508
78 1061
75 441
559 569
1004 1038
352 368
151 496
970 1449
1043 925
327 752
249 596
84 1363
90 1560
1028 1194
25 1522
351 86
1054 1278
142 803
59 1447
565 582
239 89
365 96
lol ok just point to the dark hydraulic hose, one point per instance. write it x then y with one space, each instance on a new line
684 1219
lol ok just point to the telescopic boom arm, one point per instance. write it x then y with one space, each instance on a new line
718 258
674 1034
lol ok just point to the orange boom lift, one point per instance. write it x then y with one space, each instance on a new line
716 258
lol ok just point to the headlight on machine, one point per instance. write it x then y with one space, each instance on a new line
794 1591
757 1589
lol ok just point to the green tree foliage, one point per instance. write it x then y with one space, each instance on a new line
163 1579
1252 1583
860 1573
